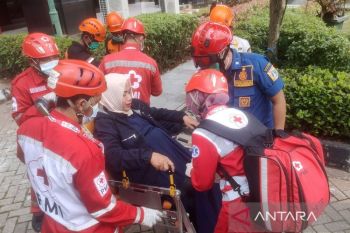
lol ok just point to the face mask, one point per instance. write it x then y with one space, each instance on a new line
93 45
215 66
117 39
87 119
48 66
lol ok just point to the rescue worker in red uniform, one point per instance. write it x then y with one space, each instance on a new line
66 167
142 69
115 39
30 85
93 33
207 95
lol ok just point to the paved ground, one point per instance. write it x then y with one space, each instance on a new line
14 187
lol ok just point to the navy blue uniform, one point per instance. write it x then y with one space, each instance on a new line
252 82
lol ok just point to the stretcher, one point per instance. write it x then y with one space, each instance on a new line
167 200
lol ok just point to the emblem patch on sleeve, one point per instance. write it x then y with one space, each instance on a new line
272 73
244 102
101 184
195 151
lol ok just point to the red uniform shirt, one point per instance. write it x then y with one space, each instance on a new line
67 171
26 88
142 70
208 151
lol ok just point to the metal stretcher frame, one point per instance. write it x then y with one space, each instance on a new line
153 197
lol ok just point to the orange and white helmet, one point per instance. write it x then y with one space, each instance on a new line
94 27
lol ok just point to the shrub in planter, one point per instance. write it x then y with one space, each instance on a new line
168 42
318 101
304 39
11 59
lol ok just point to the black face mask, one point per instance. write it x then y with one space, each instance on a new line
117 39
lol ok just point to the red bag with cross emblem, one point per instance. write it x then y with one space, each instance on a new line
288 184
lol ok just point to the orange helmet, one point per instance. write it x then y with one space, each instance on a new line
39 45
222 14
114 22
76 77
209 81
209 40
133 25
94 27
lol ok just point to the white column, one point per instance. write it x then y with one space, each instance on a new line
121 6
171 6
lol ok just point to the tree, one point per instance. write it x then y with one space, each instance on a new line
277 10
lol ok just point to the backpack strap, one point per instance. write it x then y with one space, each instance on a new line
254 133
236 187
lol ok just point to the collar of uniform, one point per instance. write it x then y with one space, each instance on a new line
59 116
236 60
131 45
37 77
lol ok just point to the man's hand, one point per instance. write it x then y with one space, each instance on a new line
190 122
161 162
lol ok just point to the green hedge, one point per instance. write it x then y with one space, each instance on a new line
168 40
318 101
168 37
304 40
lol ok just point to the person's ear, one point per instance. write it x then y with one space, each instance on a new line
81 105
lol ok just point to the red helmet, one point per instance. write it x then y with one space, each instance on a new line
133 25
208 41
94 27
76 77
39 45
114 22
209 81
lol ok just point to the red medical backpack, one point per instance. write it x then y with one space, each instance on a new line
286 174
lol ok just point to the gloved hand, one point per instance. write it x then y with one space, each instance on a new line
151 216
189 167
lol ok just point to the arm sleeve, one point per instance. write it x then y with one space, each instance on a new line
117 157
269 81
21 101
91 182
162 114
156 82
205 159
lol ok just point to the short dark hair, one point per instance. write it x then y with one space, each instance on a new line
62 102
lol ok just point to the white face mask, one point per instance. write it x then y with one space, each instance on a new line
87 119
48 66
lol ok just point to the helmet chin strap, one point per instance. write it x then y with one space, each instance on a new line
78 113
36 65
222 58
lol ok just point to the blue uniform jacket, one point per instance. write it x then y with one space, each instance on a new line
252 82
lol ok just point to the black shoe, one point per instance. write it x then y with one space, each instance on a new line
37 220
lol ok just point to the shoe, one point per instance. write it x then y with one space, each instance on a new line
37 220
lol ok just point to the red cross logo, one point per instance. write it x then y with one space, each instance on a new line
237 119
42 173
